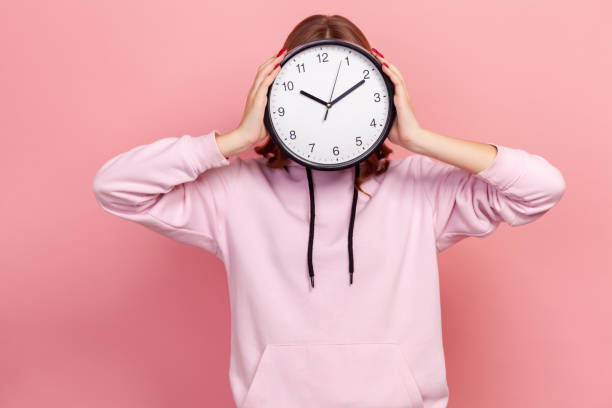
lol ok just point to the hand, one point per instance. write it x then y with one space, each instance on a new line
251 129
405 130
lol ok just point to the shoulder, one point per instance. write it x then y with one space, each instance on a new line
238 169
235 166
406 167
401 175
249 165
423 168
419 171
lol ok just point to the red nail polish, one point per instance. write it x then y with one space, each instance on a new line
281 51
376 51
276 66
385 64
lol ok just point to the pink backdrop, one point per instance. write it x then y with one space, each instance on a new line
99 312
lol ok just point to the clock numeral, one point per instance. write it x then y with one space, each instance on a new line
358 141
281 111
301 68
312 146
288 86
376 97
292 134
347 60
365 74
336 151
373 123
322 57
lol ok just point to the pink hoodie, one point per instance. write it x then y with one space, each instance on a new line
375 343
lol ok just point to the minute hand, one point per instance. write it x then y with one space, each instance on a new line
348 91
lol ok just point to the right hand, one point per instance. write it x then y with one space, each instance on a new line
251 129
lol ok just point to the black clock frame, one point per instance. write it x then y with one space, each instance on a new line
387 127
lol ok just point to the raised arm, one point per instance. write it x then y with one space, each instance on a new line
517 187
181 187
475 186
177 186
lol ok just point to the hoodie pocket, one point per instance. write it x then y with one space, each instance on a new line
333 375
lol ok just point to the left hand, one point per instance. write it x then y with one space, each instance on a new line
405 130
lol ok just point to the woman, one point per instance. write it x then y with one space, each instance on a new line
374 341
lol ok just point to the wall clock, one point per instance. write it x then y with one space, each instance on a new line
330 106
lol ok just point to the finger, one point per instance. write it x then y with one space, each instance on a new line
396 79
260 69
392 67
400 84
281 54
400 94
393 74
262 91
265 69
395 71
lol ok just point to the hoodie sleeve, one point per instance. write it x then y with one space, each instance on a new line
517 188
176 186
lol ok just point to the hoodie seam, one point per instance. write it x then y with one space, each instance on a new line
432 208
191 231
217 225
230 188
230 192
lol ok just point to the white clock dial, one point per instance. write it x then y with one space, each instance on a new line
308 126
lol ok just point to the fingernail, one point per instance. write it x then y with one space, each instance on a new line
376 51
385 64
281 51
275 66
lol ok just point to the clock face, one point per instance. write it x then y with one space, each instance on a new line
330 106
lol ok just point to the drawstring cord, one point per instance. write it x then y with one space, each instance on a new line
351 224
312 219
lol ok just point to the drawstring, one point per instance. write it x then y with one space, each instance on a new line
312 219
350 236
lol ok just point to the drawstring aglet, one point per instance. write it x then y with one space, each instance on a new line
312 281
351 278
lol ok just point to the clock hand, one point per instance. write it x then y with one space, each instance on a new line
351 89
332 92
321 101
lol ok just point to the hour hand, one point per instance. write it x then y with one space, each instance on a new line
322 102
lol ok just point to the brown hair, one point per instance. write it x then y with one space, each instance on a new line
319 27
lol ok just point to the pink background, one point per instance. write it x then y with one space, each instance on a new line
99 312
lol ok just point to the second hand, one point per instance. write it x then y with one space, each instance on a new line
332 92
